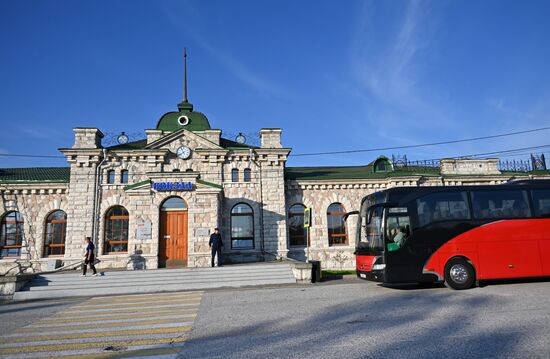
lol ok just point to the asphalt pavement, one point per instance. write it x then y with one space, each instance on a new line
340 319
358 319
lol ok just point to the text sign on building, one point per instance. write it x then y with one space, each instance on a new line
173 186
307 217
143 231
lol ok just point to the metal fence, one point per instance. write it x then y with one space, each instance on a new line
536 162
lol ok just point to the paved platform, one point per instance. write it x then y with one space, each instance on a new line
147 325
63 285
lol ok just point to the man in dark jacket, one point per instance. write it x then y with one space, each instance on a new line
216 244
89 257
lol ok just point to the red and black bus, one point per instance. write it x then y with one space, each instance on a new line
459 234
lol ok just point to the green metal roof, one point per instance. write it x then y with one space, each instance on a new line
197 120
35 175
225 143
135 145
138 145
351 172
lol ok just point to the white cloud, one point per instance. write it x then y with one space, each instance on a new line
193 26
386 64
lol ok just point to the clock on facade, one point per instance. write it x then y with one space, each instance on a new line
183 152
122 139
240 138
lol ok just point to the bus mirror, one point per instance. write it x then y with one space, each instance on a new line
345 217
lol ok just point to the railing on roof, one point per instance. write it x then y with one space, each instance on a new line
515 165
402 164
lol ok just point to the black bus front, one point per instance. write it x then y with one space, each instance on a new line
369 242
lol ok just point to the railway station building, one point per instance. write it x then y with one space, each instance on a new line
154 202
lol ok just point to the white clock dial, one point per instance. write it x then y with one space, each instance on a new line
122 139
183 152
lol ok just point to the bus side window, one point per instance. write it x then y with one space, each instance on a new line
442 206
541 201
500 204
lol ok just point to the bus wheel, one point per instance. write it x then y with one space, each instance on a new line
459 274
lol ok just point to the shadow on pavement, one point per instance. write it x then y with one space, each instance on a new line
385 326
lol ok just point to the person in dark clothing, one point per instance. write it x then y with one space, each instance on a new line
216 245
89 257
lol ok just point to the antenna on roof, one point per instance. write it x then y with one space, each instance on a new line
184 74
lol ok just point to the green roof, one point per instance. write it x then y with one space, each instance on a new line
197 121
35 175
225 143
329 173
135 145
138 145
352 172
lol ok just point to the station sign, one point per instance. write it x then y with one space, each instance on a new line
173 186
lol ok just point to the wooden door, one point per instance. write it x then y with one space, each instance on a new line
173 239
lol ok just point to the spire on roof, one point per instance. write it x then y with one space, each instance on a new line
185 74
184 105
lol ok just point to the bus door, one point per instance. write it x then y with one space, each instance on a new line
400 261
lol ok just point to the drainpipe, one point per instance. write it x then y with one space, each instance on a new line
262 237
97 190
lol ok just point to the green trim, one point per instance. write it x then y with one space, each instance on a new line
135 185
35 175
209 184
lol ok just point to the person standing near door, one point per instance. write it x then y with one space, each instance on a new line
216 245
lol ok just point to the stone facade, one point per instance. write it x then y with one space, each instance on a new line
269 191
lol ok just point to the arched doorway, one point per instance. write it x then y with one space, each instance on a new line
173 233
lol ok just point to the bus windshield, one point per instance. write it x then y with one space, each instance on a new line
369 236
374 230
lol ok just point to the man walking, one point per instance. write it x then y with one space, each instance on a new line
216 244
89 257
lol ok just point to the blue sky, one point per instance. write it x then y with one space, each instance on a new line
334 75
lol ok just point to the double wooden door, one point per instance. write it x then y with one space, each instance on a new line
173 239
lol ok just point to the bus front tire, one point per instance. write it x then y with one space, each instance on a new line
459 274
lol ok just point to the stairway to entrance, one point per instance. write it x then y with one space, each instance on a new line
63 285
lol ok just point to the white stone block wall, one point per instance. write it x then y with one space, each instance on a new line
34 205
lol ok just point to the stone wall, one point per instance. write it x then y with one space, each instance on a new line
34 203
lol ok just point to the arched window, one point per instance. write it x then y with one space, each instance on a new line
337 234
174 204
111 176
297 234
242 227
54 241
176 170
11 234
124 176
116 230
247 174
234 175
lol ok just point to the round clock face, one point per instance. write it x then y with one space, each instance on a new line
240 138
184 152
122 139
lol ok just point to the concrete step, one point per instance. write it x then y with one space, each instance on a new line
63 285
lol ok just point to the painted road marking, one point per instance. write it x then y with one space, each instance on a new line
159 328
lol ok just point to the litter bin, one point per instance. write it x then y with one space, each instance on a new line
315 271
